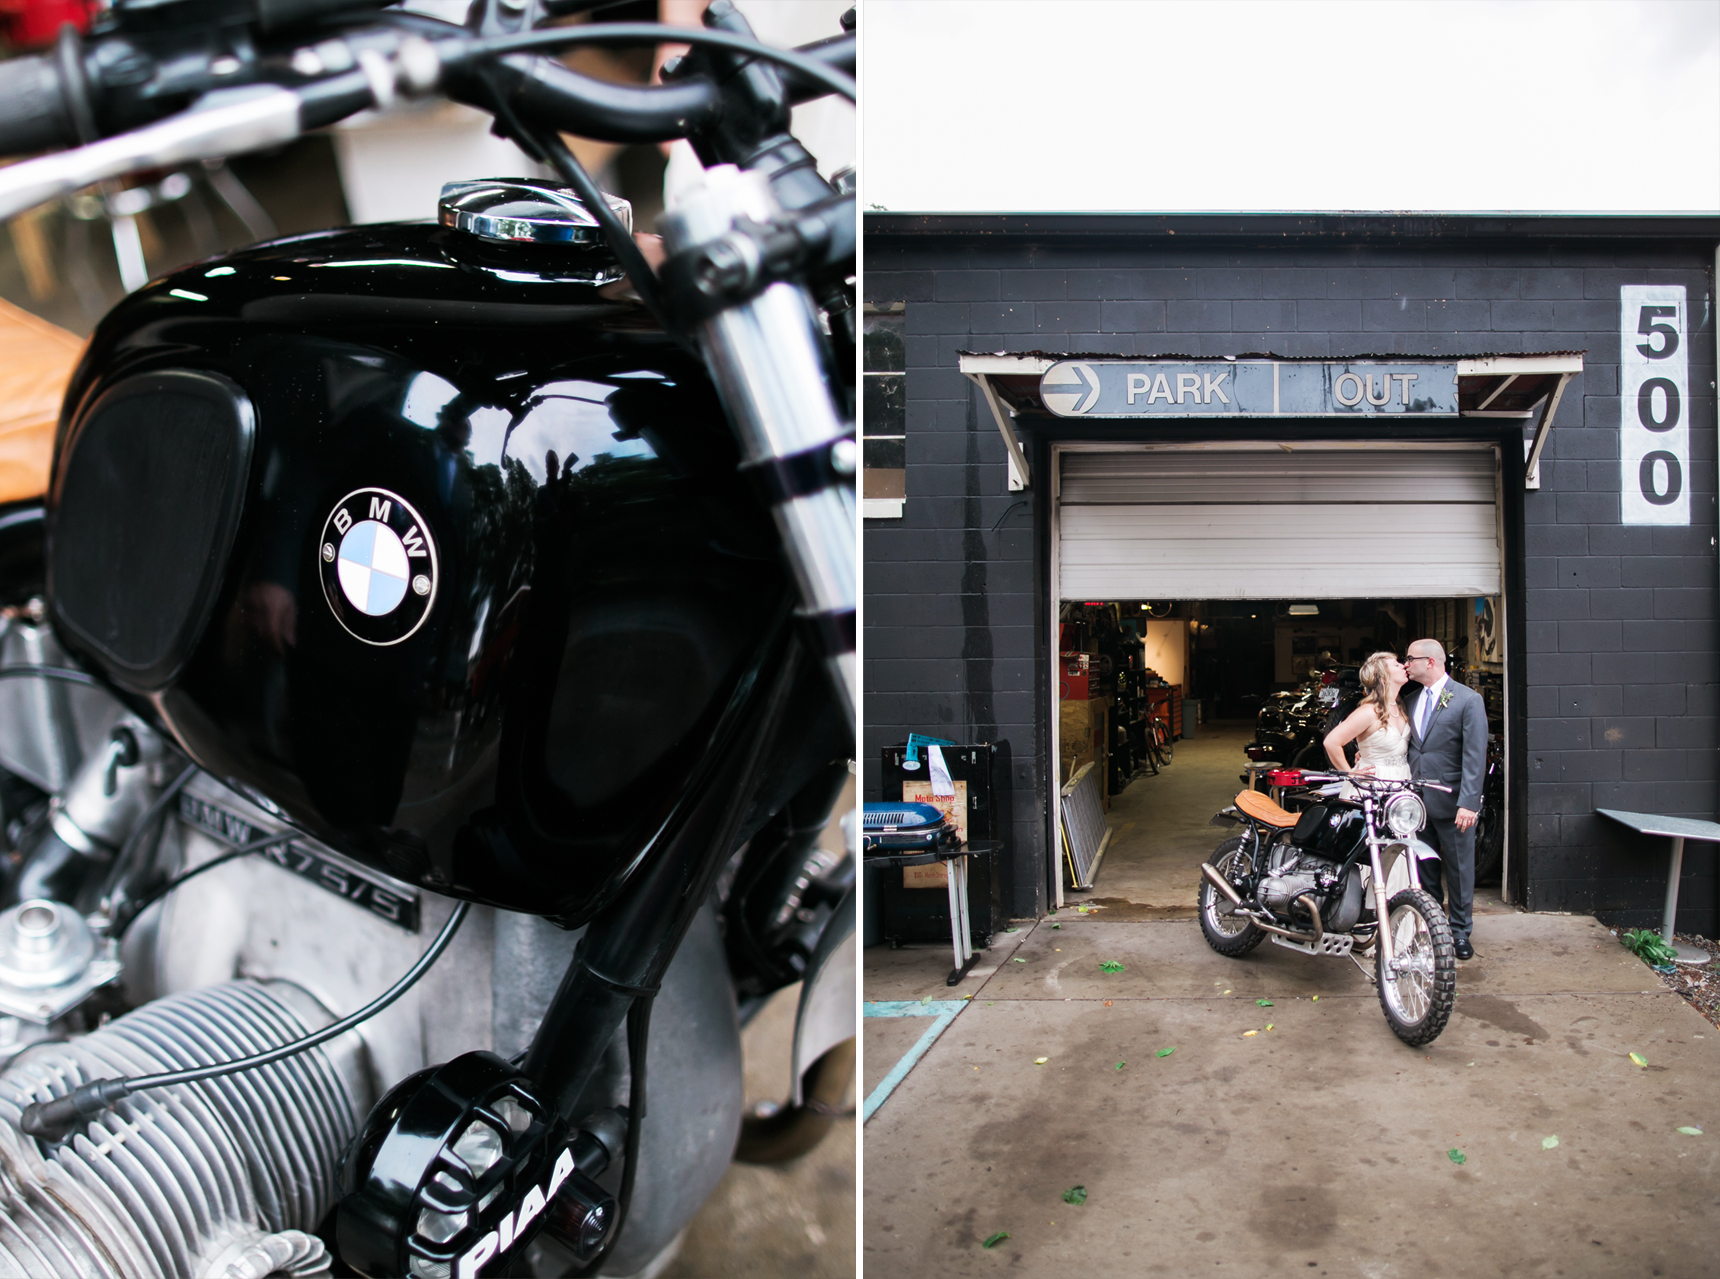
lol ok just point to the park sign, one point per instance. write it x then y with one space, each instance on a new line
1249 388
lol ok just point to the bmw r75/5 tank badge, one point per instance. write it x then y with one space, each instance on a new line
378 564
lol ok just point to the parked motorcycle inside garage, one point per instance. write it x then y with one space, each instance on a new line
1320 880
467 581
1291 726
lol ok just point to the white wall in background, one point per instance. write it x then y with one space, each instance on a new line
1167 648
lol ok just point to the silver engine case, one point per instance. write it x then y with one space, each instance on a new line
192 1188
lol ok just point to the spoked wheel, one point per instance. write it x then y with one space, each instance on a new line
1163 744
1227 933
1149 756
1417 999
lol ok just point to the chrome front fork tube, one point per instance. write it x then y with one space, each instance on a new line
1383 932
770 360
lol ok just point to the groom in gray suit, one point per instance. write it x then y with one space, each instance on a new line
1448 743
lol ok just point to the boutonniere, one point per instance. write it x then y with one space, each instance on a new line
1445 699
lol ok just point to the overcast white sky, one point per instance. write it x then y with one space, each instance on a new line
1567 105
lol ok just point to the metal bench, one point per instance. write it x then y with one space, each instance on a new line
1677 829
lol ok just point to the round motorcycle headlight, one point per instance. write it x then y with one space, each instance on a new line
1405 814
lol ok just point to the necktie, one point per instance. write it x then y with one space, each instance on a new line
1423 711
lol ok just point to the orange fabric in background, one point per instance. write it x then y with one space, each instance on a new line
36 362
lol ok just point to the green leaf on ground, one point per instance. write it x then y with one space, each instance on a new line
1057 925
1264 1003
1076 1195
1639 1059
1316 999
1012 930
926 1000
1121 1064
1547 1143
1040 1061
1691 1132
996 1239
1456 1156
1017 960
1165 1052
1111 966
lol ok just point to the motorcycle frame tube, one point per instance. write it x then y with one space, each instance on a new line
625 951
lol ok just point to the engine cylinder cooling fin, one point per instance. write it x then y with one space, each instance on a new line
223 1177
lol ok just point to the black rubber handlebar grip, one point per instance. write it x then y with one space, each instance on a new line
34 113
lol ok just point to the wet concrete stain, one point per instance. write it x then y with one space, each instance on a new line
1120 910
1502 1013
1294 1217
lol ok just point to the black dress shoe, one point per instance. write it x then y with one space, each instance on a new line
1464 949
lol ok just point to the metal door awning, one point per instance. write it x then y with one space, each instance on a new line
1527 387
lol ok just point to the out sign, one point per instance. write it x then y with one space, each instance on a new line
1654 387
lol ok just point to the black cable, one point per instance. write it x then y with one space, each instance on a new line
62 673
547 143
621 242
127 850
52 1120
638 1040
118 929
654 33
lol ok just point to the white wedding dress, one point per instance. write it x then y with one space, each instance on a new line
1386 751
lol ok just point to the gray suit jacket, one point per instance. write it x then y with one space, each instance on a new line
1454 751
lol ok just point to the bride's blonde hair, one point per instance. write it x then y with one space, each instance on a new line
1374 681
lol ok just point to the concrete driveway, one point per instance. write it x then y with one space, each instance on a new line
1317 1147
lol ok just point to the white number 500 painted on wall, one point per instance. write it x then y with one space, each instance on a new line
1654 391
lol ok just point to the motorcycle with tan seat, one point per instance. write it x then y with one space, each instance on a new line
1320 880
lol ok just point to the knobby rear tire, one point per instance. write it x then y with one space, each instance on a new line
1212 924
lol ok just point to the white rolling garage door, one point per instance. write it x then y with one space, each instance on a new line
1269 524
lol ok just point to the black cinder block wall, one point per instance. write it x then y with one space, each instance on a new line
1616 654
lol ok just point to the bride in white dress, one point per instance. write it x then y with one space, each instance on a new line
1378 726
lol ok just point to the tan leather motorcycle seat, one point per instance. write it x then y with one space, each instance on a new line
36 362
1262 809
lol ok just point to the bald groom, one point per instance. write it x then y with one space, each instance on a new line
1448 744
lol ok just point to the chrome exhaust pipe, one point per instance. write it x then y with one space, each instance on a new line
1314 913
1220 882
1283 932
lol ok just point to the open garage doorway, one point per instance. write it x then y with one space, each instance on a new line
1232 664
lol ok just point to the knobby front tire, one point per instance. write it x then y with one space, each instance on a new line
1417 1000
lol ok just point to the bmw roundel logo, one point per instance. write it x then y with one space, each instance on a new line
379 567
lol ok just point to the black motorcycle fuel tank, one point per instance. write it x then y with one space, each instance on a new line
436 546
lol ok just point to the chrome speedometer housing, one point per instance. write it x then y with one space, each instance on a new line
1405 814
